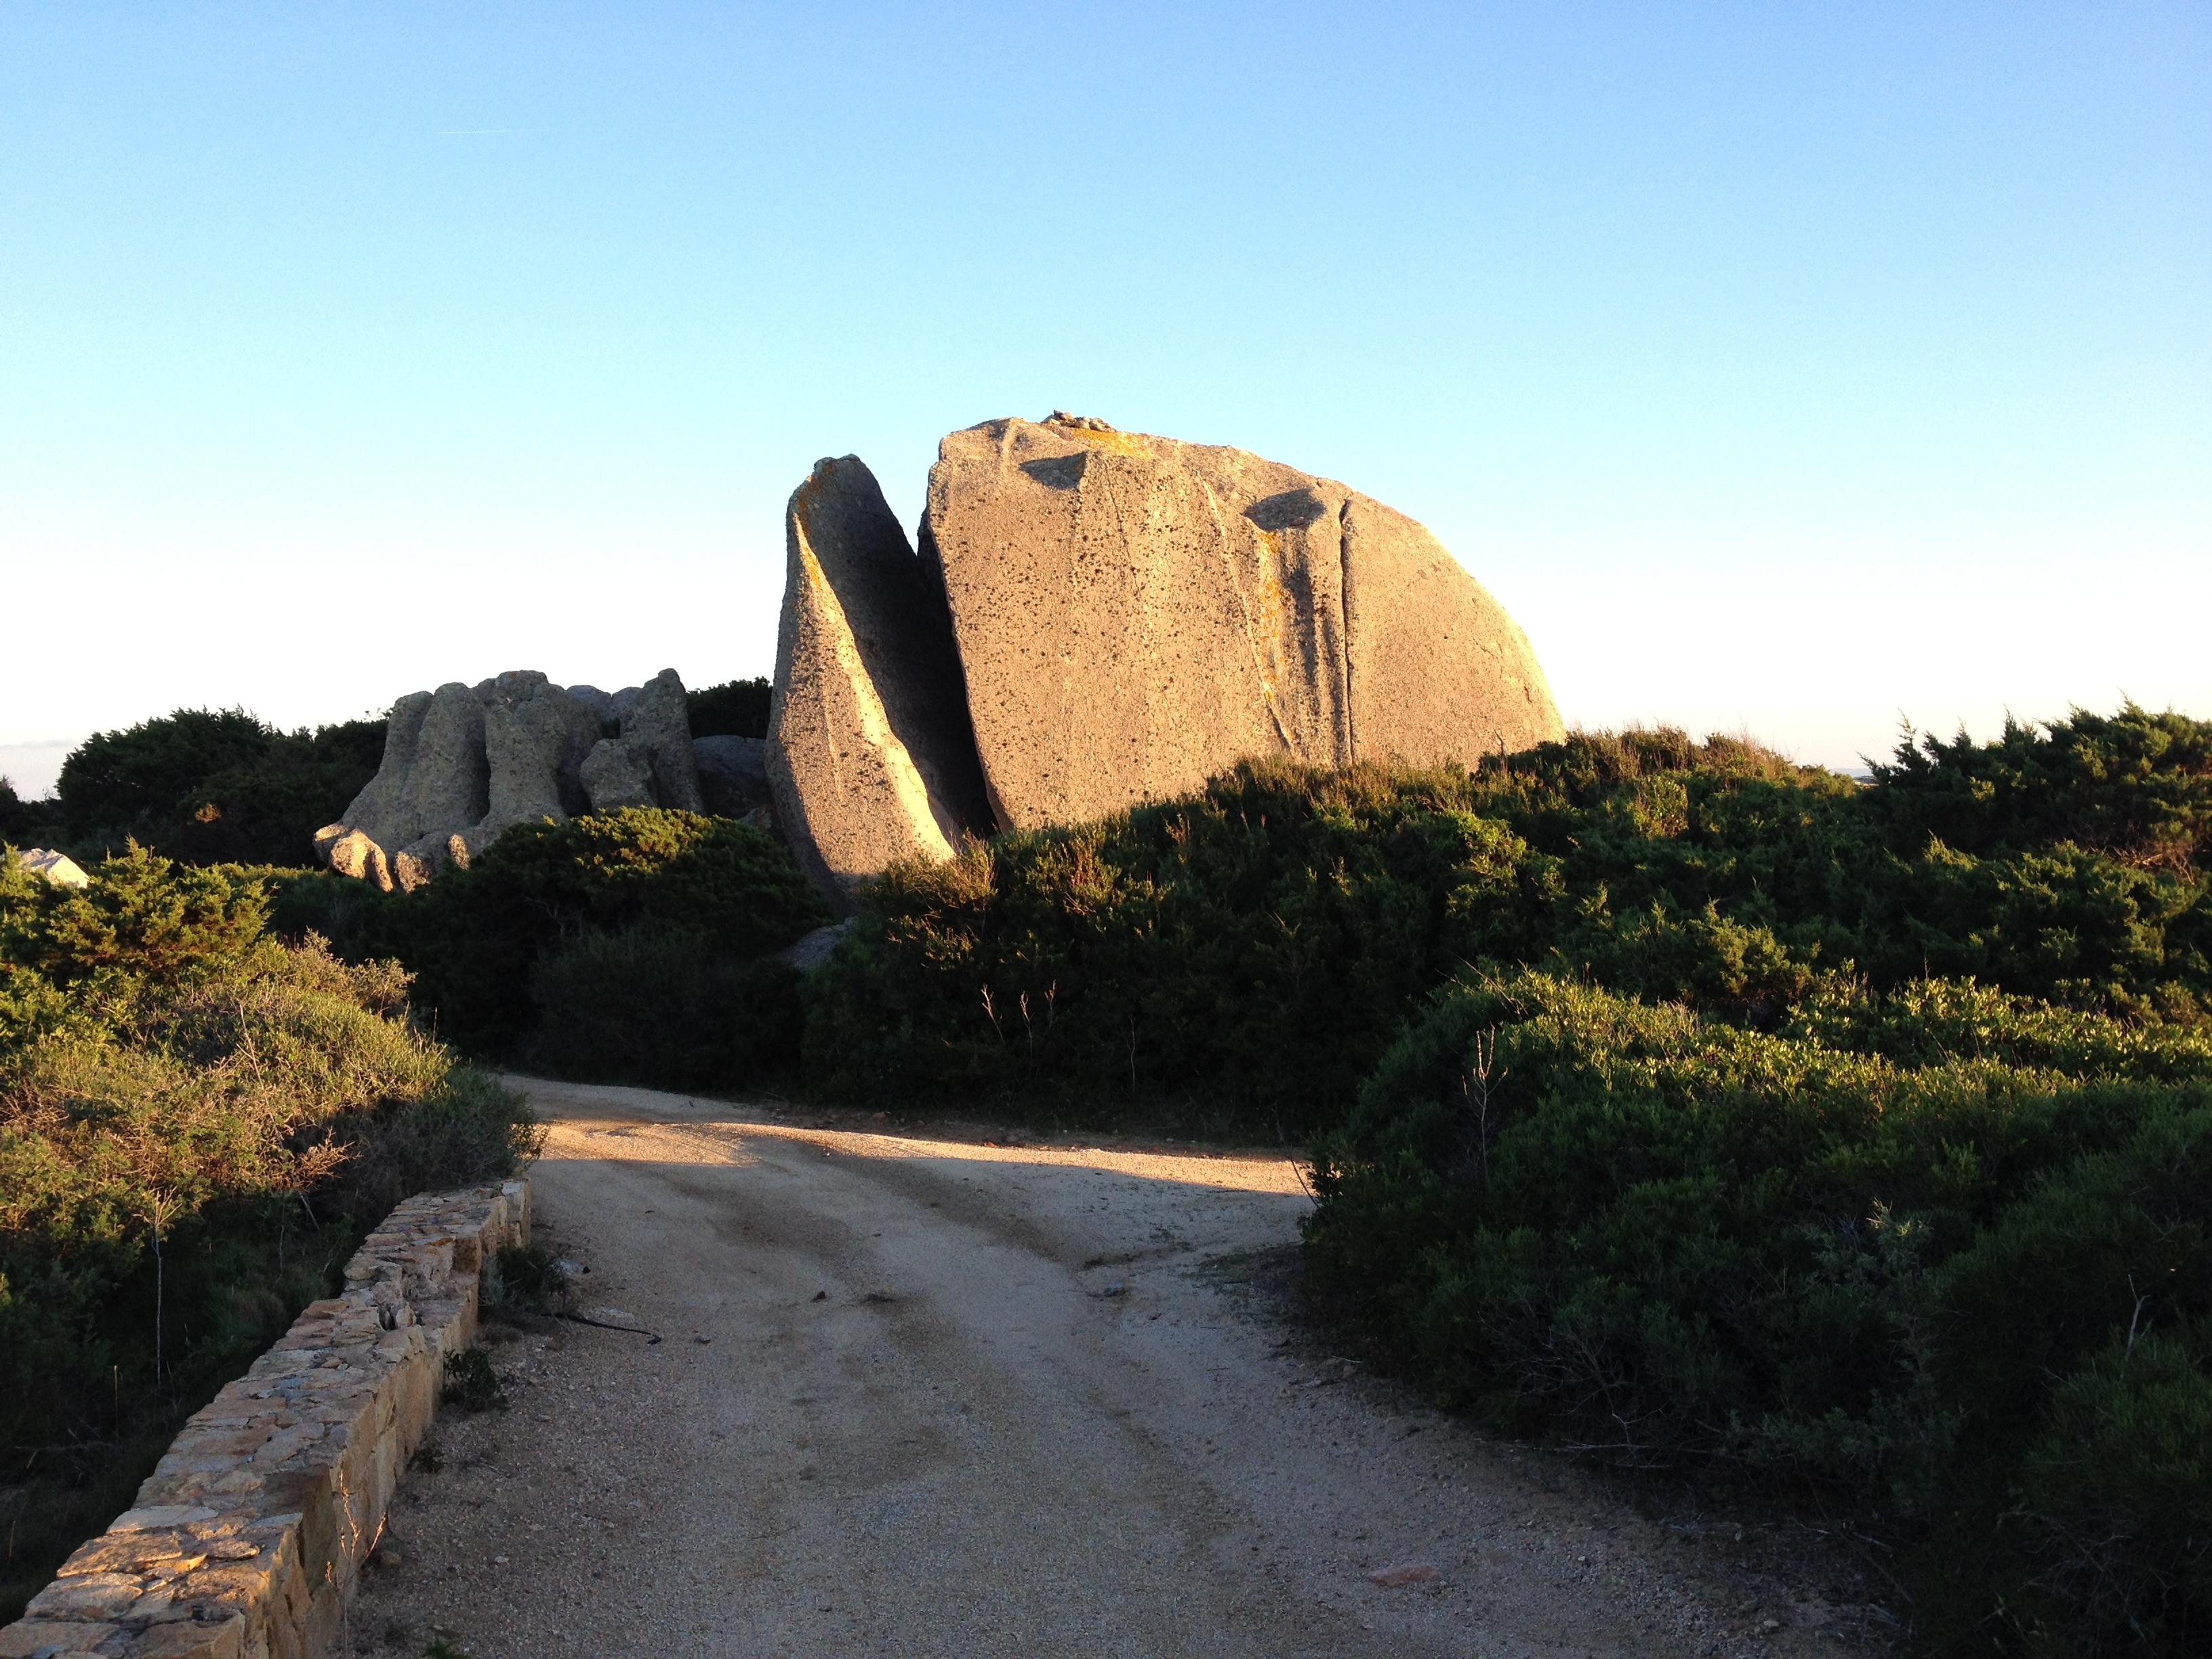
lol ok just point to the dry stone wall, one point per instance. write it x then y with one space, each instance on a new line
246 1540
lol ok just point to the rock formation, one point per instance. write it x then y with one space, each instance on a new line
1097 618
1093 619
615 777
869 754
658 730
447 787
609 706
1133 613
535 739
60 868
465 763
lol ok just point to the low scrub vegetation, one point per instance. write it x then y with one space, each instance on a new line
630 947
214 786
1842 1140
197 1124
1247 954
1689 1107
1940 1261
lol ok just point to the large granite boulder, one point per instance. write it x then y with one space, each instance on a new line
609 706
354 853
380 811
465 763
647 761
1133 613
614 777
870 758
447 787
1097 618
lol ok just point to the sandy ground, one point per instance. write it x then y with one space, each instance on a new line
922 1394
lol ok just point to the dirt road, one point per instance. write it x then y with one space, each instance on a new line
929 1396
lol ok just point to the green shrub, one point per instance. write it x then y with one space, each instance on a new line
2114 1497
214 786
475 936
529 1279
197 1125
135 778
664 1004
2136 785
86 955
1891 1267
1249 950
361 921
27 822
472 1384
624 948
1244 956
735 708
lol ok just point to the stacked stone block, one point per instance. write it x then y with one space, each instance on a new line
245 1541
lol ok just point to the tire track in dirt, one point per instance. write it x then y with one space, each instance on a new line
923 1395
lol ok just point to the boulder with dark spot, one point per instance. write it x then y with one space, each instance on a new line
1097 618
1134 614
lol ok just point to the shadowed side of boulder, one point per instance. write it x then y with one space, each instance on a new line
448 784
870 757
732 774
656 728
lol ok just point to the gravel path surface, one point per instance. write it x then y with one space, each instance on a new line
922 1394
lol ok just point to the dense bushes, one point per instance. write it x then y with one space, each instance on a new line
27 822
624 947
1254 946
735 708
196 1122
1854 1139
2135 785
212 786
665 1005
1249 953
1946 1255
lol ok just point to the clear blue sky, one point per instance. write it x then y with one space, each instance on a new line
1784 368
